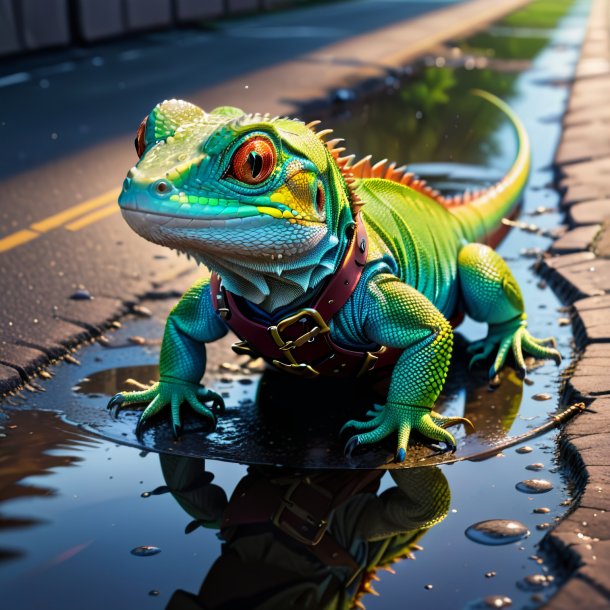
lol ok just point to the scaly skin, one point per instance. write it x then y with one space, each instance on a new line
265 202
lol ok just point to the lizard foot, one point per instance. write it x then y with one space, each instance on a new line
401 418
513 336
173 393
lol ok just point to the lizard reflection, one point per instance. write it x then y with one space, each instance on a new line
303 540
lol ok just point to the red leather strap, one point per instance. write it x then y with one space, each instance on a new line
301 343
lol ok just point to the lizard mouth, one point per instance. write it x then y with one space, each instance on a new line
201 211
139 219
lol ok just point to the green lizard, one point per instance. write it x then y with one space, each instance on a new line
281 217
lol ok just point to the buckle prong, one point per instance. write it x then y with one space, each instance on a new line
288 346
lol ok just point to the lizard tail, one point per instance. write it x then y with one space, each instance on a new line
480 214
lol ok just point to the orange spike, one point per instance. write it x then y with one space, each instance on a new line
407 178
361 168
377 169
313 124
332 143
389 172
322 134
346 161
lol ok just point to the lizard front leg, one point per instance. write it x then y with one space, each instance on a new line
191 323
399 316
491 294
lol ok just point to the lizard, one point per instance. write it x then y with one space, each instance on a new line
278 213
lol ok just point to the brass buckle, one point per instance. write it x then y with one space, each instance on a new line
287 347
370 361
287 504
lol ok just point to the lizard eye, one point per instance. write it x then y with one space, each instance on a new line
253 161
140 141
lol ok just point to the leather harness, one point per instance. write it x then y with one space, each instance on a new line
301 342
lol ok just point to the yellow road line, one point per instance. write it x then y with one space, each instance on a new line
16 239
92 217
57 220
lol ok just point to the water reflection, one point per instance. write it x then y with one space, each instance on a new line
303 540
37 444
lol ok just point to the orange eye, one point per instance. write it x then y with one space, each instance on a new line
253 161
140 141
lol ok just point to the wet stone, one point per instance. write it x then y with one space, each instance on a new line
543 510
498 601
525 449
535 582
537 466
497 531
542 396
145 551
489 574
534 486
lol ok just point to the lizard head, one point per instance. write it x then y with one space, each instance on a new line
229 185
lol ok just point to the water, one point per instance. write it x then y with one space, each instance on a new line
74 506
497 531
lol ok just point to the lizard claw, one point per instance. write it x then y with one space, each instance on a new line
218 403
140 428
115 403
351 444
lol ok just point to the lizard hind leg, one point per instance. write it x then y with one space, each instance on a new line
491 294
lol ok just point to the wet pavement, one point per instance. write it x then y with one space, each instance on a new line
113 510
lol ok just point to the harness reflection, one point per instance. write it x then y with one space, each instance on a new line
303 540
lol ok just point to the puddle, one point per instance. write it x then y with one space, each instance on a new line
75 506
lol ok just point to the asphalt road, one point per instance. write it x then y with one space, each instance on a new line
67 123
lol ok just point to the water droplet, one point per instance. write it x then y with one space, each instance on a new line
543 510
489 574
81 295
542 396
145 551
543 526
428 587
534 486
145 494
142 311
154 593
526 449
536 466
498 601
535 582
137 340
497 531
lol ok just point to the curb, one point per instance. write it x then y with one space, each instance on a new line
579 271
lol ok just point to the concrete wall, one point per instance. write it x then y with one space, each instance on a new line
31 25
